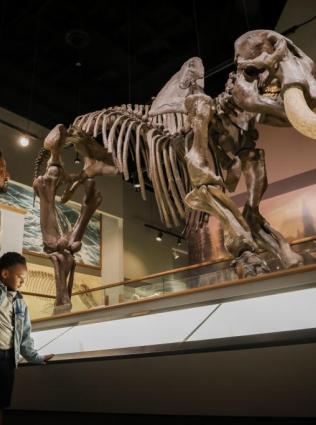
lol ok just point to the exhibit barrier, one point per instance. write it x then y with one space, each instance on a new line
172 285
222 316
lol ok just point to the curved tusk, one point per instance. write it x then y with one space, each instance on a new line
302 118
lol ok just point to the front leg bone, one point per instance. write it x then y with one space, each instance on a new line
55 142
254 169
46 188
91 202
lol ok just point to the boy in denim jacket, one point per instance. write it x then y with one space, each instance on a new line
15 325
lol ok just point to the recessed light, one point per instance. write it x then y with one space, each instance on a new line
24 141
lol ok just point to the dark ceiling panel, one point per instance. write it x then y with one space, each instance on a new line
60 58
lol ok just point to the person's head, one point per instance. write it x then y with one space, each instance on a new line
13 270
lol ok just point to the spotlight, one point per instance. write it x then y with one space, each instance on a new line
77 158
179 241
159 237
136 183
24 141
137 187
175 255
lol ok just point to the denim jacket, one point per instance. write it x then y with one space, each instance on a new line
23 341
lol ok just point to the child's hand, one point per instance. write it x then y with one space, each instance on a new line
48 357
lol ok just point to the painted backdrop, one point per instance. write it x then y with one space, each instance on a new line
292 213
19 195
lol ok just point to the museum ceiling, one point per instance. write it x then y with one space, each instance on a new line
62 58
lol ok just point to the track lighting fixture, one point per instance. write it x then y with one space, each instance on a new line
137 187
159 237
161 232
175 255
77 158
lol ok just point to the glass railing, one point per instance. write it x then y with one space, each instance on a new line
187 278
159 285
41 307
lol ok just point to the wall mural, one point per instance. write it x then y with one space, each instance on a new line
291 213
19 195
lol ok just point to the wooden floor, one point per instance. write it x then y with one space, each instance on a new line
56 418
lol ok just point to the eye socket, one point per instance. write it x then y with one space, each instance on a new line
252 71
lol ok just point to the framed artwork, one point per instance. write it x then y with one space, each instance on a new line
22 196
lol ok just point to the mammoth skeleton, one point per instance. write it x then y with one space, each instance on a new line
193 149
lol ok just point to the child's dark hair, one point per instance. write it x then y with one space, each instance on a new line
11 259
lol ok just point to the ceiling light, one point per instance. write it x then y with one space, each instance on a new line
24 141
159 237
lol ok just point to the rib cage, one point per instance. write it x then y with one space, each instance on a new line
157 146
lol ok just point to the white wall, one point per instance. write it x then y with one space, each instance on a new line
9 240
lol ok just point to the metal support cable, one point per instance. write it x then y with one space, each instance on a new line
198 47
129 55
229 62
56 337
202 322
34 69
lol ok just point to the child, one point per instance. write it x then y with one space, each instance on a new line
15 327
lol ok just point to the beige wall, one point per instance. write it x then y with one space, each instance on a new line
143 255
288 153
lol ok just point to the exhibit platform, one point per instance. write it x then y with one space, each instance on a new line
253 354
250 341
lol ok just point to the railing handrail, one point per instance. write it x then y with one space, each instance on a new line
215 286
37 294
151 276
180 269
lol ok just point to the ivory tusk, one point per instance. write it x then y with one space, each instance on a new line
302 118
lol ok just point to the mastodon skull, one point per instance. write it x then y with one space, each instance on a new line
275 78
